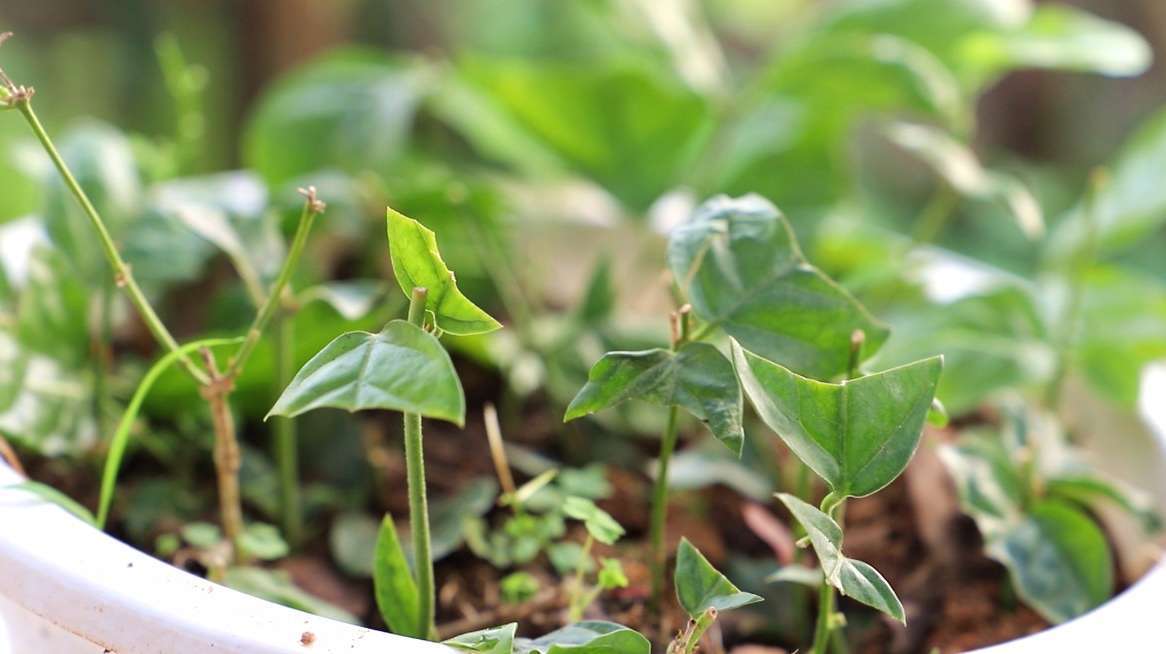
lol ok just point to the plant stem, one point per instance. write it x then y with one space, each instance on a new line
1072 315
286 454
825 612
660 508
696 629
122 272
579 599
418 508
226 453
312 208
936 214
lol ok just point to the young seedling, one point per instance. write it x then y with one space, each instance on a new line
738 264
858 435
403 368
703 593
603 528
1031 496
701 590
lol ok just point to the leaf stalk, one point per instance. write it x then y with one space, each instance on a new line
418 504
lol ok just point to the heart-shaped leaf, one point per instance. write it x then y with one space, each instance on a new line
395 588
1058 559
417 263
699 586
852 578
492 640
589 637
697 377
857 435
403 368
740 265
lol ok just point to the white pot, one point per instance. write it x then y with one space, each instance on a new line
66 588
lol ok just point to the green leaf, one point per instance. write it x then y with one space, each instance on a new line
276 586
417 263
1058 559
1123 321
857 435
1088 488
395 588
352 299
961 169
611 575
493 640
403 368
739 264
352 110
1061 38
54 496
987 481
697 377
633 129
518 587
852 578
797 574
202 535
589 637
598 522
121 437
1129 206
352 541
263 541
699 586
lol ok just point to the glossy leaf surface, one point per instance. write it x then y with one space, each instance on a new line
852 578
589 637
403 368
492 640
417 263
857 435
739 264
699 586
697 377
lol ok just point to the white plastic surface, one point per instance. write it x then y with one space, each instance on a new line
66 588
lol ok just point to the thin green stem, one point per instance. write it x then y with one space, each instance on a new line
122 272
697 629
659 518
936 214
1070 318
825 614
579 595
418 506
312 208
286 454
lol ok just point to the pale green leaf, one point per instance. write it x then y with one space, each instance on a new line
589 637
54 496
697 377
797 574
352 299
395 588
403 368
852 578
1058 559
276 586
417 263
492 640
857 435
699 586
598 522
263 541
739 264
961 170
